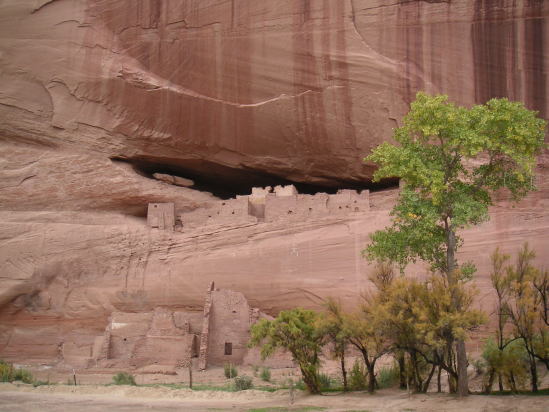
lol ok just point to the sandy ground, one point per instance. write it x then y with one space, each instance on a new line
92 398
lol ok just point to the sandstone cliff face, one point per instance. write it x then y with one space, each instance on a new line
97 96
296 89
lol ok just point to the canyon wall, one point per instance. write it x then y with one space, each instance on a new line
98 96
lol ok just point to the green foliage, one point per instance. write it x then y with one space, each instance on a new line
523 292
230 371
265 374
422 318
511 362
480 366
325 381
6 371
357 377
22 375
241 383
10 374
388 376
333 326
123 378
450 159
297 331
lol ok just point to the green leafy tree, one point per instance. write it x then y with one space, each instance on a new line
297 331
451 159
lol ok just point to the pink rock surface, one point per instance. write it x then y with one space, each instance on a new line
298 89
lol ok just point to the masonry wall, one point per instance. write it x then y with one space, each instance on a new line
230 320
268 205
161 337
161 216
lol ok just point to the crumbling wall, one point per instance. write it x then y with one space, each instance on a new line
161 216
164 342
161 337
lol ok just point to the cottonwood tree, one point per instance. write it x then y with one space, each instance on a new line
451 159
297 331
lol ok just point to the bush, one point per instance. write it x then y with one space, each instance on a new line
123 378
480 366
22 375
6 372
325 381
241 383
266 374
255 368
388 377
230 371
9 374
357 377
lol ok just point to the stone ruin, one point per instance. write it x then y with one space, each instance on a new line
163 340
283 203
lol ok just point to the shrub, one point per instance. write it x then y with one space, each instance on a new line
388 377
6 372
22 375
255 368
357 377
480 366
266 374
325 381
241 383
230 371
123 378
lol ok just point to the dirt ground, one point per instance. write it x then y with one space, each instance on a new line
95 398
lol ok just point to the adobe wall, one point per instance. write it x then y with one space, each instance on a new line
161 337
230 321
161 216
171 339
225 212
282 203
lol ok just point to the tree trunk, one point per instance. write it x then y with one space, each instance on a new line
428 381
310 378
344 372
371 378
439 385
534 374
451 245
401 371
463 379
500 382
490 383
512 382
